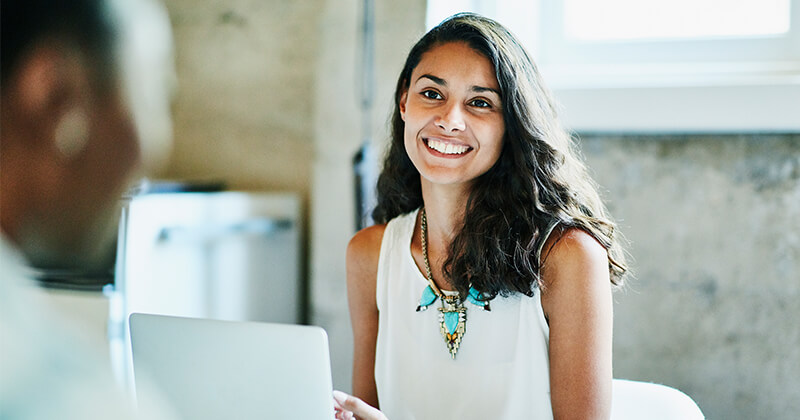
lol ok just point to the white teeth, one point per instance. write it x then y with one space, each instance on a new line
447 148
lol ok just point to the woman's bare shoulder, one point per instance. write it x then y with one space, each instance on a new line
573 259
572 245
364 249
366 241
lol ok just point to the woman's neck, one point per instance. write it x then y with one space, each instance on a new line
444 208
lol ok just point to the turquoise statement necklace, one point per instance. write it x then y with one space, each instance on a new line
452 313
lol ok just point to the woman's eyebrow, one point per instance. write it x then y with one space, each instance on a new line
437 80
481 89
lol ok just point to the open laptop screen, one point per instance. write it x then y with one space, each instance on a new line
212 369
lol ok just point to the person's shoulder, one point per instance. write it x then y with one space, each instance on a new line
574 271
367 238
365 245
363 255
573 247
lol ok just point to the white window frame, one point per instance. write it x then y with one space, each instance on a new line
723 85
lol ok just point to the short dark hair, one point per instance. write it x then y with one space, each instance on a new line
84 23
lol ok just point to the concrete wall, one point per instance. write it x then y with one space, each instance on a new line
245 101
714 226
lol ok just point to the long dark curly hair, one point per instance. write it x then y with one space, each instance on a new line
537 182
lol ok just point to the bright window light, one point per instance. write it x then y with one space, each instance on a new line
609 20
659 65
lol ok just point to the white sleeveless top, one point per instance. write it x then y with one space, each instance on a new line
501 370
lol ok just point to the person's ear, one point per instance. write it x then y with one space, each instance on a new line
40 81
50 89
401 104
49 94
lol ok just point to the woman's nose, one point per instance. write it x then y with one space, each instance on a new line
451 118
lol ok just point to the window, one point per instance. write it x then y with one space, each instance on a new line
655 43
613 20
679 65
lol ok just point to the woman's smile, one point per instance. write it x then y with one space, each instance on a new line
446 148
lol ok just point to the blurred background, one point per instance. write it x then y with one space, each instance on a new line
687 112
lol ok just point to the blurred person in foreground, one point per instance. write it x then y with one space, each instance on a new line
84 104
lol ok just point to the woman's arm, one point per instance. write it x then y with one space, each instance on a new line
362 269
576 299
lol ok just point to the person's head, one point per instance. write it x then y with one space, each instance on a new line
71 126
536 180
525 104
452 116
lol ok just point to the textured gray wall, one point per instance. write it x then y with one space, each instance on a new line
714 226
245 101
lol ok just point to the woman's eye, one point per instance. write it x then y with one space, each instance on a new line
431 94
480 103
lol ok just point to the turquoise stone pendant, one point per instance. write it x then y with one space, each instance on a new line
453 322
427 298
452 314
476 298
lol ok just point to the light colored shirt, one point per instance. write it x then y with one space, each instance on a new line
47 371
501 370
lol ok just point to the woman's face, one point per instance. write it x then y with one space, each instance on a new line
453 115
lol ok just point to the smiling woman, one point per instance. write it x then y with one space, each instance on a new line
487 215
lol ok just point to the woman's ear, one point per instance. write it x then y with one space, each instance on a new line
401 104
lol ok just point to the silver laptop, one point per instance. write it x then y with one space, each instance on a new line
211 369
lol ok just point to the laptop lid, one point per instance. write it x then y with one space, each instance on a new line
212 369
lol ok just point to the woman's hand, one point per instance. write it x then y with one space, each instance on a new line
348 406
